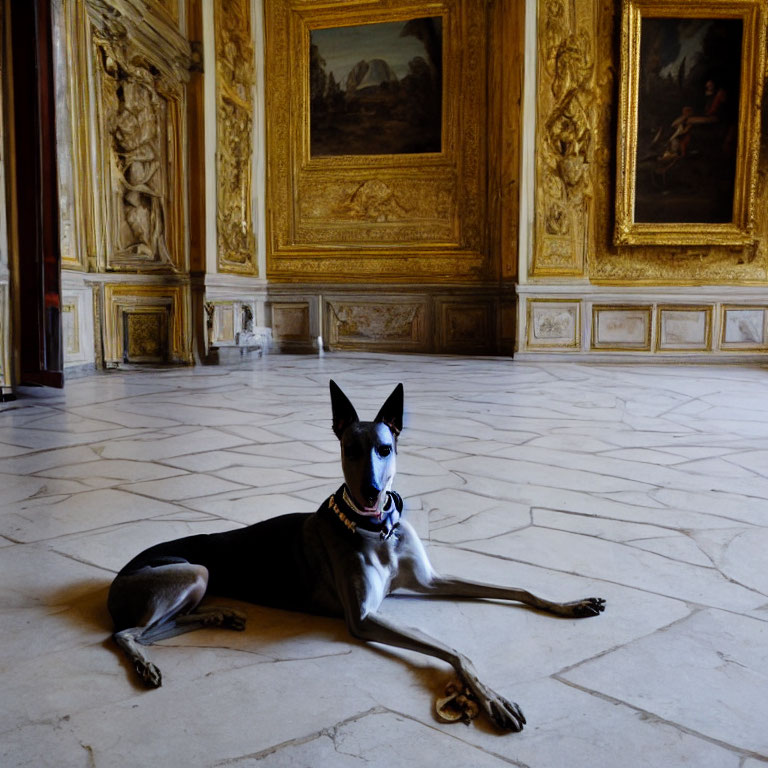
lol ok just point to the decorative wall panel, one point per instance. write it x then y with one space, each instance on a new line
223 322
291 322
621 328
465 326
566 117
235 77
660 264
140 72
402 216
5 338
553 324
387 323
681 328
145 335
744 328
70 331
133 325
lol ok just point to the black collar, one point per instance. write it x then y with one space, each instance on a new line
340 508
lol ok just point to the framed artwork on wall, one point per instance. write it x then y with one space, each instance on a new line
376 119
689 121
376 89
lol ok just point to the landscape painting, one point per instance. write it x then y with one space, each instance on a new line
376 89
688 119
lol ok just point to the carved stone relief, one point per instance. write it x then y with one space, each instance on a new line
235 76
565 142
136 122
553 323
379 325
141 69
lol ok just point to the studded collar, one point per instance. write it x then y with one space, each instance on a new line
342 508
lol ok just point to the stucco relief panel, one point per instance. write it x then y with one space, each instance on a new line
235 77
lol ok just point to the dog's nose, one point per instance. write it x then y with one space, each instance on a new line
370 494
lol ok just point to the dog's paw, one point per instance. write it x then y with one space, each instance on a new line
504 714
234 620
149 674
589 606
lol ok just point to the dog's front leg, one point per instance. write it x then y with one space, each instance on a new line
417 574
376 628
452 587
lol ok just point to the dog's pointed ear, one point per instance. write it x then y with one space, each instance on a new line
344 412
391 412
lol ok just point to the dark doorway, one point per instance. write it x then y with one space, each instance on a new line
37 208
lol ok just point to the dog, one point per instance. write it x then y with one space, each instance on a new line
341 560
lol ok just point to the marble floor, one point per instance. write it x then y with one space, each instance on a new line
646 485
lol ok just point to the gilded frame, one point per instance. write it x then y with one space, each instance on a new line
739 230
381 218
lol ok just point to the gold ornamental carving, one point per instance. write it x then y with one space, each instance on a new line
638 219
123 305
565 138
141 71
660 263
388 216
235 77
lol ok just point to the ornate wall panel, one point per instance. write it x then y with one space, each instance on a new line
620 328
466 326
122 70
649 265
744 328
683 329
291 322
553 324
377 217
387 323
235 77
566 117
146 323
121 73
139 113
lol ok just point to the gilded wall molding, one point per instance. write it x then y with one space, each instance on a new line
658 264
565 137
379 217
122 302
235 78
140 64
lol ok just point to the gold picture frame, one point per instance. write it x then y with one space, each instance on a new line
377 217
689 121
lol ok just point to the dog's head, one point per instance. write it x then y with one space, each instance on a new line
368 448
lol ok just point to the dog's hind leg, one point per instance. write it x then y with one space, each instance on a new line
146 605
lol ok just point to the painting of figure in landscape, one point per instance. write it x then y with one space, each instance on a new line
687 119
376 89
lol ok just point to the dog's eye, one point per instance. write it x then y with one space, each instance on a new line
385 450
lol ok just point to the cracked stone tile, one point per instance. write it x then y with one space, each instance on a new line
180 487
378 738
708 676
597 558
117 470
111 549
152 447
76 513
